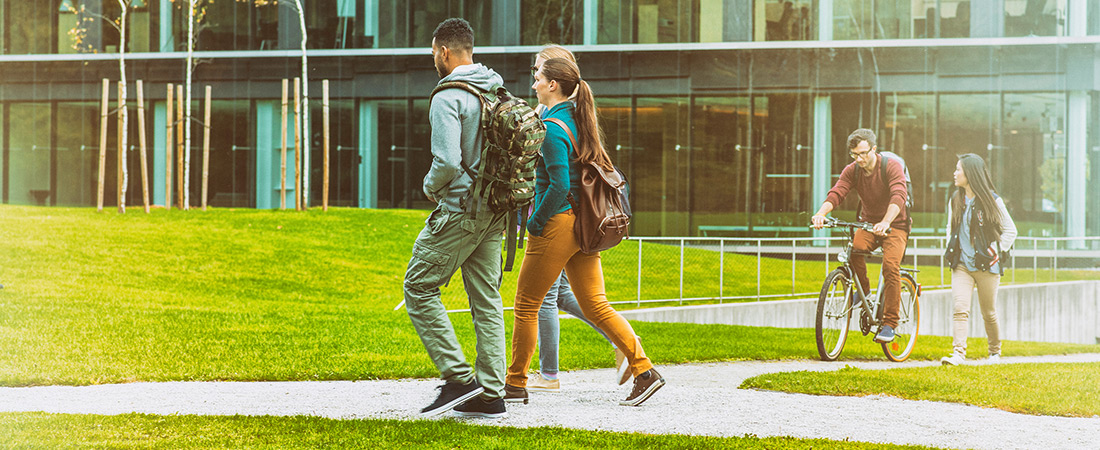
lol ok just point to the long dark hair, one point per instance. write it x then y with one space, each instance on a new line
977 176
589 134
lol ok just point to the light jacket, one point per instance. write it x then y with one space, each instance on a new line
455 118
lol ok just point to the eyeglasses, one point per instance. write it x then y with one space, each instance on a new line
857 155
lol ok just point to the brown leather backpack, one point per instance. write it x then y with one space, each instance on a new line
602 210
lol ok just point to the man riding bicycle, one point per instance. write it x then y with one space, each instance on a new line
882 203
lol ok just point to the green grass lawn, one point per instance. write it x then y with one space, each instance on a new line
267 295
146 431
1043 389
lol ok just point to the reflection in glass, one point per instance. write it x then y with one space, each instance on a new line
1033 157
874 19
404 153
650 21
232 156
343 154
1036 17
783 20
662 161
78 153
29 27
405 24
29 154
230 25
551 21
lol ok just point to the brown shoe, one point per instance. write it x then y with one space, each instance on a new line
514 394
644 387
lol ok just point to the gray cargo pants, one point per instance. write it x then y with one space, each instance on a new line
448 241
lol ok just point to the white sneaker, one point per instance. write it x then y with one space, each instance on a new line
535 382
994 357
954 360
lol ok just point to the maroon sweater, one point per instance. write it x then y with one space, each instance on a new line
873 192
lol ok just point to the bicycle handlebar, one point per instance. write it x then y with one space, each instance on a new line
832 222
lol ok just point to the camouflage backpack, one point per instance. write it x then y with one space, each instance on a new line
513 135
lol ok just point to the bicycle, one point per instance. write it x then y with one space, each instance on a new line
835 305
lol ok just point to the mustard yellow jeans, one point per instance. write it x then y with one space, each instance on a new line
543 261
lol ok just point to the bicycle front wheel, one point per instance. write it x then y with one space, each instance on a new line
908 322
834 312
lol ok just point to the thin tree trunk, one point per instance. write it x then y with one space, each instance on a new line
187 102
124 119
141 146
306 136
103 143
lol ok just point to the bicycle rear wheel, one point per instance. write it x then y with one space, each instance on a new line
908 322
834 312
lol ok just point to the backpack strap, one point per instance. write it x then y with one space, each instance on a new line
483 124
573 142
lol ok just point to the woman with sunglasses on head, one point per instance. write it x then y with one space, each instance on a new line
979 230
573 139
560 296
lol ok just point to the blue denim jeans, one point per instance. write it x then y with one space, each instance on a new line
559 297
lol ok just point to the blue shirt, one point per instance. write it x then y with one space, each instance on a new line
965 246
555 170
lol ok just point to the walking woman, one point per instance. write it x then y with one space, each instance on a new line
560 296
553 246
979 229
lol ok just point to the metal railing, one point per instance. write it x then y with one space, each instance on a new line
703 265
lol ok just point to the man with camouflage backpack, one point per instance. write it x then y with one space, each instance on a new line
463 231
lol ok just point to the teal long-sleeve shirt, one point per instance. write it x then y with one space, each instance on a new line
556 170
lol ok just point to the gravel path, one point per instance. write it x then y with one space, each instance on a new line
700 399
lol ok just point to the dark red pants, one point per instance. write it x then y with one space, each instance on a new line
893 250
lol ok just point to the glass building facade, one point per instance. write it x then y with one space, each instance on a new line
728 116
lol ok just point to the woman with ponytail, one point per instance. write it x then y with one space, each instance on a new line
560 296
979 230
573 138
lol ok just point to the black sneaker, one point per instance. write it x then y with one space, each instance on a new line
514 394
644 387
450 395
481 408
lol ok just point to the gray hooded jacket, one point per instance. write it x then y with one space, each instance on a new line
455 117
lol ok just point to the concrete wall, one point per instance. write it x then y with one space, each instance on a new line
1047 312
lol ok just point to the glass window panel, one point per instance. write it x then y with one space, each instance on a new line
553 21
343 154
722 129
653 21
874 19
232 156
1036 17
231 25
29 154
404 153
31 32
411 23
78 153
909 131
662 160
1029 167
954 19
783 20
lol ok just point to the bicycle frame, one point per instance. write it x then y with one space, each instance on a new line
835 304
